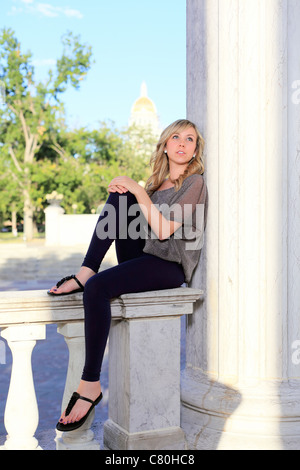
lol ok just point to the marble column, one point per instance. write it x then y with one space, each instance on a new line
241 387
53 214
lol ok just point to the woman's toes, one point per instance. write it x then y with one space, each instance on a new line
67 286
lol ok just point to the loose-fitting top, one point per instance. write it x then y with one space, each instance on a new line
189 206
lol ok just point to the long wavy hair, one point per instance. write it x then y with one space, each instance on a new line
160 162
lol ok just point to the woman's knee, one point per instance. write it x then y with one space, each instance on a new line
117 196
96 287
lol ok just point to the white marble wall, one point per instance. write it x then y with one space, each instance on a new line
68 229
243 57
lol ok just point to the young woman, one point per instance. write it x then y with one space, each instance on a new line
162 259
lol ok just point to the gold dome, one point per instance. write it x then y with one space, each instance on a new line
143 104
143 112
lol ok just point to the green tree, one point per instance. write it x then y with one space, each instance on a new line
138 146
33 109
10 197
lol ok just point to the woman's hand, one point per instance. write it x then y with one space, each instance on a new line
162 227
122 184
116 189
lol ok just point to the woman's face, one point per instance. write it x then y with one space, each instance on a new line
182 146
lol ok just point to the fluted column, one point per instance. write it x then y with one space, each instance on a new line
240 388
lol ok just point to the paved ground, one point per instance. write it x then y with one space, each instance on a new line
38 267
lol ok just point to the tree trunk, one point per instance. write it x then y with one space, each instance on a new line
31 147
14 227
28 217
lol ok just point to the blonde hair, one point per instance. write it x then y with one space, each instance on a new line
160 163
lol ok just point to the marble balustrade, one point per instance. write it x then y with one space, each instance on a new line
144 367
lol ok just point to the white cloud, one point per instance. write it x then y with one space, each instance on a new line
49 10
45 9
75 13
14 11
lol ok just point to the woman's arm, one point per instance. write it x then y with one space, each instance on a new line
162 227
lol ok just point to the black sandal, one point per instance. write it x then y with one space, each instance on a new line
68 278
77 424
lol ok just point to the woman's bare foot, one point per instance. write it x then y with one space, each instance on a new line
89 390
83 276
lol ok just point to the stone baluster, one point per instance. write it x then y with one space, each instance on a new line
144 371
21 412
83 438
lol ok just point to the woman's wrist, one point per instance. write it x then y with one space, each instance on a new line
139 191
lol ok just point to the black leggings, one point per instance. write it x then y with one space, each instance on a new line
136 272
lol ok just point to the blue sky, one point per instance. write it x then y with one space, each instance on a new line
132 40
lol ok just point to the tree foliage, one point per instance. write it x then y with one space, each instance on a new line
39 154
31 109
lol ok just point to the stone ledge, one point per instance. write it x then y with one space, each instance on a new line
19 307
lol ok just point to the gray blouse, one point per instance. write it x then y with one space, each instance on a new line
189 206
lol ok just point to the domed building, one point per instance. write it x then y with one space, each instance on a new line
144 113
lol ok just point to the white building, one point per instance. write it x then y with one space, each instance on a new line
144 112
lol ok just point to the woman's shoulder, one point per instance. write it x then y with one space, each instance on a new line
195 179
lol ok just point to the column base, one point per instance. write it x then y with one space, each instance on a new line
4 447
77 441
117 438
265 416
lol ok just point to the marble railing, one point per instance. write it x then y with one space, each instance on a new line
144 367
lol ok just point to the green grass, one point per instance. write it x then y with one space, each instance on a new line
7 237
